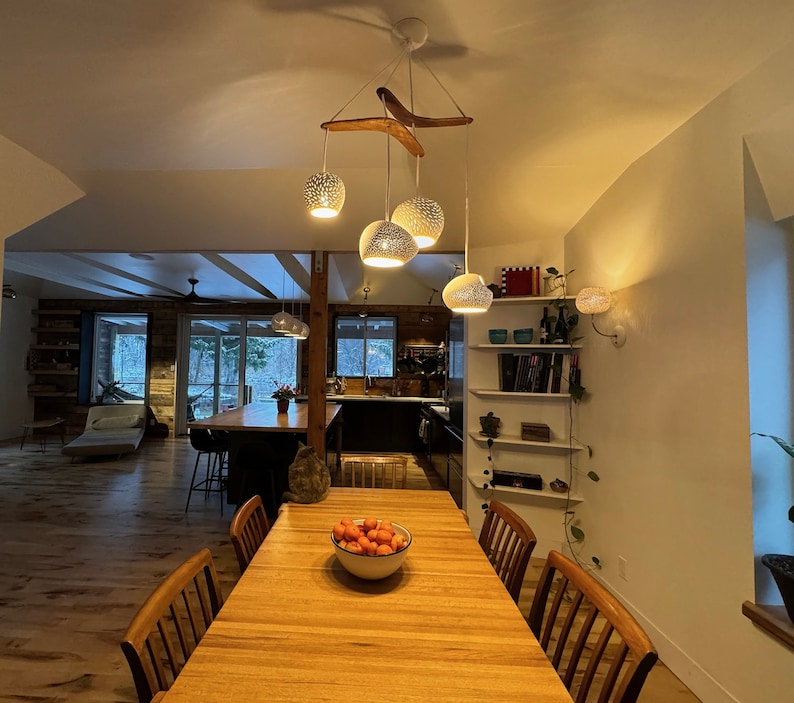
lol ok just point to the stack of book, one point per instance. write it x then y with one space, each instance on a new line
538 372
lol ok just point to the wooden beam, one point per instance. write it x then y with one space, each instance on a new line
318 348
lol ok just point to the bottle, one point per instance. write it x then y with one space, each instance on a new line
561 328
544 327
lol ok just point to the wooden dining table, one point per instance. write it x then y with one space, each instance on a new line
261 422
298 627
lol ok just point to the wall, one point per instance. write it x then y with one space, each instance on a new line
15 337
667 414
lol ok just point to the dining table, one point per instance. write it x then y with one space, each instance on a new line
261 423
298 627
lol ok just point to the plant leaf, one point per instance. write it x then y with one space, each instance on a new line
577 533
593 476
791 513
782 443
576 391
553 271
597 562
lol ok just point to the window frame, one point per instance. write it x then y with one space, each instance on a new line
367 320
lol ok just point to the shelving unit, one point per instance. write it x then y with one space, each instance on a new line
53 361
509 453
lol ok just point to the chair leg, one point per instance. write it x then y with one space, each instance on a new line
192 481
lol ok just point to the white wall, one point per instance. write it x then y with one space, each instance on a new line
15 336
668 413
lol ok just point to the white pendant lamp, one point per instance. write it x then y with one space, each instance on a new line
422 218
281 321
467 293
324 192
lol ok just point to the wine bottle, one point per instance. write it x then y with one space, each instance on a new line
561 328
544 327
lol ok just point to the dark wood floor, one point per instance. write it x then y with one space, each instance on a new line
84 544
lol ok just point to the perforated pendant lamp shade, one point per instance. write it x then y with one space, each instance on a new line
324 194
592 301
467 293
384 244
281 322
422 218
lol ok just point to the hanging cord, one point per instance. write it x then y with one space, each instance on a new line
284 280
443 87
388 167
396 60
325 148
466 210
411 95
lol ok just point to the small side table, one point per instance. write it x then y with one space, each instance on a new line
42 428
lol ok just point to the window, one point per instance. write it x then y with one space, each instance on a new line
365 346
120 354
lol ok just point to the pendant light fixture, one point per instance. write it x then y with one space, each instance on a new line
281 321
384 244
324 192
295 325
467 293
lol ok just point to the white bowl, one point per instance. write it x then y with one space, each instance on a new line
377 566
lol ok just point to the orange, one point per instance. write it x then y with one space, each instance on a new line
363 541
370 523
354 547
384 549
352 533
383 537
372 535
397 542
386 525
372 548
346 521
339 531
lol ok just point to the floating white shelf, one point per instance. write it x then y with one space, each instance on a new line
489 393
516 441
524 299
545 494
523 347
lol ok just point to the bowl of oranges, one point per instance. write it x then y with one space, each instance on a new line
370 548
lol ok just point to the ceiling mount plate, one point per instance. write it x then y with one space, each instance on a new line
411 31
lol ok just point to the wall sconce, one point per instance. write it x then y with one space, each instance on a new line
594 301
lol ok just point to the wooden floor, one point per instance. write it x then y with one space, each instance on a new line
84 544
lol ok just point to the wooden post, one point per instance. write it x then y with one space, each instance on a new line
318 349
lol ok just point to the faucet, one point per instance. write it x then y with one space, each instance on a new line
367 384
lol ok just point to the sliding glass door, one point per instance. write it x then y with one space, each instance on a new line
229 360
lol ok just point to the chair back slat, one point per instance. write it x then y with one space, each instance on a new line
248 530
374 471
508 542
597 647
171 622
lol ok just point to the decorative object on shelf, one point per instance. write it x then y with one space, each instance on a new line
520 281
490 425
782 565
559 486
554 283
594 301
497 336
523 335
513 479
535 432
496 291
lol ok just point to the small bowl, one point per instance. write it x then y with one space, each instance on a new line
523 336
373 567
497 336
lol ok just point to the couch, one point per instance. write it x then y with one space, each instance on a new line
109 429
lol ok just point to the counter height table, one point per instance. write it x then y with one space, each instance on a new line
261 422
297 627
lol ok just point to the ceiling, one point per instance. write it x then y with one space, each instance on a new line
185 129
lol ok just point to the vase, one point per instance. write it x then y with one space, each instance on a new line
282 405
782 568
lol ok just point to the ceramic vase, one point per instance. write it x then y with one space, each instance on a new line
282 405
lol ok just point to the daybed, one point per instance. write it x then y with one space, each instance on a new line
109 429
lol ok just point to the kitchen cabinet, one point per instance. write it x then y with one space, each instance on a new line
439 444
377 425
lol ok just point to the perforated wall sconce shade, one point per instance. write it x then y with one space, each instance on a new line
384 244
597 300
324 194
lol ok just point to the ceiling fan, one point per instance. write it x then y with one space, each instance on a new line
194 298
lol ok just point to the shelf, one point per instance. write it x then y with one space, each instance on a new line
55 330
536 347
544 494
524 299
52 394
57 311
53 372
516 441
488 393
55 347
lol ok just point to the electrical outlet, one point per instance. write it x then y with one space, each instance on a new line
622 566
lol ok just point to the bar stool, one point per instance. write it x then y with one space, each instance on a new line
258 462
216 449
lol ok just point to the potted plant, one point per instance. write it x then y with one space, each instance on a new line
109 391
283 394
490 425
782 565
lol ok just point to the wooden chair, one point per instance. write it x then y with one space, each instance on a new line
376 471
248 530
599 650
170 623
508 542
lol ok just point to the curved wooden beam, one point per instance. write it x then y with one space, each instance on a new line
378 124
402 114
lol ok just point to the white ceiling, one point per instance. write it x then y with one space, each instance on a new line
191 126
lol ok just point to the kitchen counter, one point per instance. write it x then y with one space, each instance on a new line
378 397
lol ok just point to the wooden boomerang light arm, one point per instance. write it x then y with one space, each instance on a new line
402 114
378 124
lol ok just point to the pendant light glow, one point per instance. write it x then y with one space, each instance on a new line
467 294
384 244
324 194
422 218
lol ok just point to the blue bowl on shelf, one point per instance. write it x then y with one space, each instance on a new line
523 336
497 336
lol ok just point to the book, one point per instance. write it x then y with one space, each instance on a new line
506 372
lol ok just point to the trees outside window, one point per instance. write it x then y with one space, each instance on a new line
365 346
